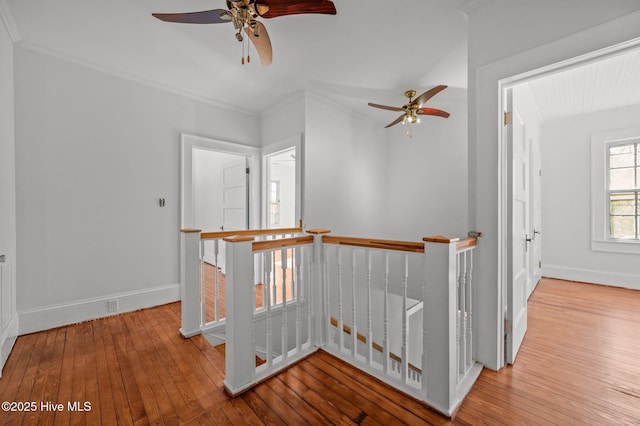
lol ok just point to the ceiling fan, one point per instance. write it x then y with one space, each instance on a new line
414 108
244 13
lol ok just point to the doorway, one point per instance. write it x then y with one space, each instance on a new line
527 241
282 183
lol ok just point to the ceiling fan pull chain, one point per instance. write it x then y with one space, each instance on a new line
242 52
248 52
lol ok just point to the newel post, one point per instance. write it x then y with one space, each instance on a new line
439 322
318 291
240 360
190 281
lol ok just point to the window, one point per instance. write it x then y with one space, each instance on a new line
274 203
615 191
623 188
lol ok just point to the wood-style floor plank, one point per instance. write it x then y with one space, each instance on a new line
577 365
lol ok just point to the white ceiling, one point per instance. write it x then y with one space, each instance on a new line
372 50
605 84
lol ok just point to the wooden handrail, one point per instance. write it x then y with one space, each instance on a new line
249 233
409 246
281 243
374 345
466 243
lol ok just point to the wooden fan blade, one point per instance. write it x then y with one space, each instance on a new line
427 95
294 7
215 16
262 43
394 122
433 111
390 108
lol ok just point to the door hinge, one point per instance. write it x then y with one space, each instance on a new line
507 326
248 170
508 118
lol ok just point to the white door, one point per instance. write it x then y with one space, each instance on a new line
518 274
536 215
235 195
235 202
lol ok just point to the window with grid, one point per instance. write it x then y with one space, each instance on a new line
623 191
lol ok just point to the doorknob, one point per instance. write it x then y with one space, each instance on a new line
527 240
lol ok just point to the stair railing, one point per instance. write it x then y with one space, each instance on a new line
202 297
400 311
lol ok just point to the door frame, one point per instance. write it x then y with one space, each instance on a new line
190 142
504 233
267 151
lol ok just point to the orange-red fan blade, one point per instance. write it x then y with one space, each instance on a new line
215 16
294 7
261 41
394 122
390 108
433 111
420 100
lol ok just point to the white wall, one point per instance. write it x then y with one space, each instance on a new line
8 313
427 177
345 177
500 34
94 152
283 120
566 192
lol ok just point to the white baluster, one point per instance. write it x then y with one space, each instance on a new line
385 338
463 308
267 304
369 317
354 318
309 293
297 258
285 330
216 284
458 314
470 358
327 294
274 298
405 326
340 320
203 287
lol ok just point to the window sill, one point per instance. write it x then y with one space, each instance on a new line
628 247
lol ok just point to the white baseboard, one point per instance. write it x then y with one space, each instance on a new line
47 317
615 279
7 339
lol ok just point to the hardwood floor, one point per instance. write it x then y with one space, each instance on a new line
578 365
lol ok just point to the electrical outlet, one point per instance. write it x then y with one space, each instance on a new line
112 305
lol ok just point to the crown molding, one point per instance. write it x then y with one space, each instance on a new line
9 24
467 7
125 76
